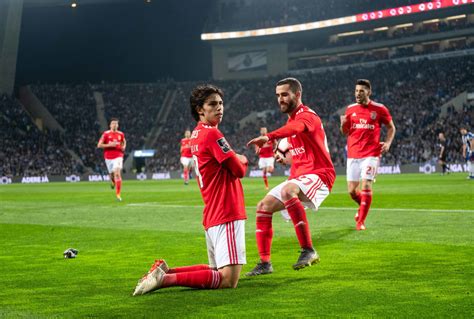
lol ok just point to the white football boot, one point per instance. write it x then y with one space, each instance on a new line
153 280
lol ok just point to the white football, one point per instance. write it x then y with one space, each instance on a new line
283 147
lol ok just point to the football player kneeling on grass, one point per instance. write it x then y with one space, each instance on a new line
218 171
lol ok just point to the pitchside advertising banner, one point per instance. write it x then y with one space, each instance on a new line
427 168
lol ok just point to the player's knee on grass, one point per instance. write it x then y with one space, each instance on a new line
230 276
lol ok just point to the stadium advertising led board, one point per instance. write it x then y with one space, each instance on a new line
362 17
415 8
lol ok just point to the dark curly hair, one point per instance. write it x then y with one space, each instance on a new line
199 95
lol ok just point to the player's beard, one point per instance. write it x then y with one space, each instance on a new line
290 107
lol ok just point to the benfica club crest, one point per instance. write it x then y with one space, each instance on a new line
373 115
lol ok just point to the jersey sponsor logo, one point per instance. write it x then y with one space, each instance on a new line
373 115
363 125
297 151
223 145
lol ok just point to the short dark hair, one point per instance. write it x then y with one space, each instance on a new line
113 119
295 85
199 96
364 82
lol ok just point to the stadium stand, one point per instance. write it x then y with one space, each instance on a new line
233 15
27 151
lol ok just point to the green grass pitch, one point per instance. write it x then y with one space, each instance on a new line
414 260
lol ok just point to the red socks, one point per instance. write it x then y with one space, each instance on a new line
186 175
356 197
298 216
265 179
264 234
188 269
118 186
366 200
201 279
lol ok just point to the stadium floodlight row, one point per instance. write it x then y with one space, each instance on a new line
361 17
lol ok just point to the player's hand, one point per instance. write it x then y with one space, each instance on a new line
243 159
343 119
384 147
258 142
282 159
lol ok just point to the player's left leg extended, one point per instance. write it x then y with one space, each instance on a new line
366 201
186 174
264 232
112 180
118 183
265 179
291 194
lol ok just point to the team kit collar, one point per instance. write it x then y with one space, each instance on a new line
293 114
202 124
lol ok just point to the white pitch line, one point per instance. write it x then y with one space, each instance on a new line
156 204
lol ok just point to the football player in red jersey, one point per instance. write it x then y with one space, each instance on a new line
113 142
186 156
311 176
266 160
218 172
361 123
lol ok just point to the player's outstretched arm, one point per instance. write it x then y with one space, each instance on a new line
237 165
284 131
258 142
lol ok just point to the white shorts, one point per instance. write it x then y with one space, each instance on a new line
226 244
310 184
186 161
362 168
113 164
266 162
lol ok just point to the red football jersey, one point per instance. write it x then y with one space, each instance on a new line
266 150
309 149
364 125
111 136
221 191
186 147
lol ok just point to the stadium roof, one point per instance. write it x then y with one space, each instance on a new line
59 3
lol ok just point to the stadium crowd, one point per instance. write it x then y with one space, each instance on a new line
413 91
231 15
371 36
27 151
